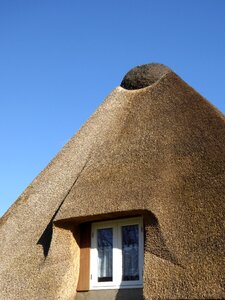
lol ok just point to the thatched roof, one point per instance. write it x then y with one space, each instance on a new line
154 145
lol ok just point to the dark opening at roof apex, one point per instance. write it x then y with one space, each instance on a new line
144 75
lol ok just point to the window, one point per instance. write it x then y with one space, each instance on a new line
117 254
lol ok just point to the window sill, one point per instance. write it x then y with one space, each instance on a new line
116 287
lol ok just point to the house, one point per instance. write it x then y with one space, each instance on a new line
131 207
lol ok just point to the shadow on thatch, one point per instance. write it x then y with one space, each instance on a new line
157 245
46 237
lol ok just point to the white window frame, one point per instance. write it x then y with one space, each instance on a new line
117 254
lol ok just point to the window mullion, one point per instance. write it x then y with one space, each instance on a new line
141 250
116 261
119 255
94 256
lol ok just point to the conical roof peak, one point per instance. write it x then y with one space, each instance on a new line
144 75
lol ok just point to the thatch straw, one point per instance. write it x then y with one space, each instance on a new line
155 147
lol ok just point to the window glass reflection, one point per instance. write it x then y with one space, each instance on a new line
105 246
130 252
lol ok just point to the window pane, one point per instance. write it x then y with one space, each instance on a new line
130 252
105 246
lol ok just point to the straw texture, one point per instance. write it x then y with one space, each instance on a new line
155 147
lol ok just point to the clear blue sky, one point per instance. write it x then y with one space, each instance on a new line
59 60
